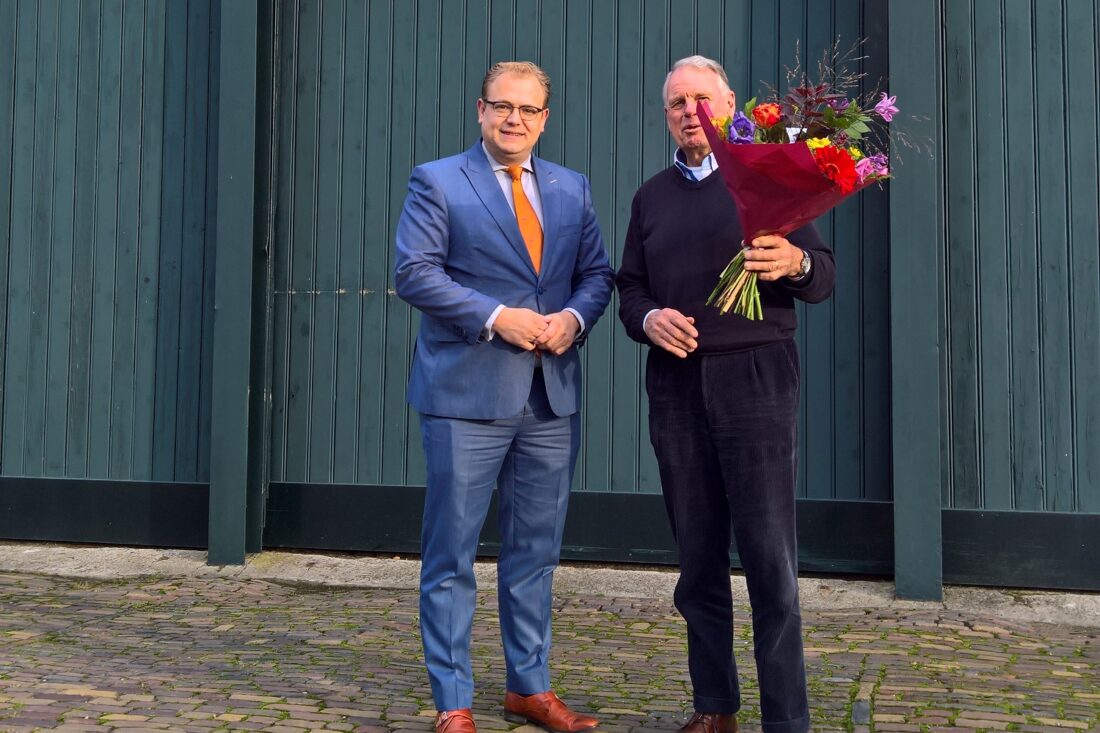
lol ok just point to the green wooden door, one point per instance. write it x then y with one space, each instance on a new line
368 90
1020 458
106 266
104 213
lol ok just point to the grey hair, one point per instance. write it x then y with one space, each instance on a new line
699 62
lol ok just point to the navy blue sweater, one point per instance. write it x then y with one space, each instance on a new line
682 234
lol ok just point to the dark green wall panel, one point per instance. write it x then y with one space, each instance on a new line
368 90
1023 282
104 221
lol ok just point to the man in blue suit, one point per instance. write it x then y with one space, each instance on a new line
502 254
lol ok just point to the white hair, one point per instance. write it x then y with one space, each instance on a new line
699 62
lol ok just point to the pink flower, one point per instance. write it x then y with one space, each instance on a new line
875 166
885 107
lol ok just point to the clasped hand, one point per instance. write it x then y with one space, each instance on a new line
528 330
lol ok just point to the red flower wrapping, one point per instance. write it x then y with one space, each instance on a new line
776 187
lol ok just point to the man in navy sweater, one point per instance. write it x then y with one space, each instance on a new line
723 403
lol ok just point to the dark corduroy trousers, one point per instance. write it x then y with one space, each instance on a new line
724 431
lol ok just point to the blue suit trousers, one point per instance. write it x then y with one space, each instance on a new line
530 458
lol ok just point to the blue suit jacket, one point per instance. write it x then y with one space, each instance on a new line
460 255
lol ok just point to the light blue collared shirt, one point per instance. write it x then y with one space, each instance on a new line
696 173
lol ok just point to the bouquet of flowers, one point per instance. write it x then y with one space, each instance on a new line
785 163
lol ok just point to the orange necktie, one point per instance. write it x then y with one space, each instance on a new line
529 225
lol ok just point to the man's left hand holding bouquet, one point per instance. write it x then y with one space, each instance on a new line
772 257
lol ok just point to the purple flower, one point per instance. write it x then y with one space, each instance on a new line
839 104
885 107
875 165
742 129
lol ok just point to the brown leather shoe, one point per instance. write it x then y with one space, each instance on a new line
711 723
547 711
455 721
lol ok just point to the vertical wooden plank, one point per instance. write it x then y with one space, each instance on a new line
845 328
577 89
125 273
8 42
656 155
172 202
874 255
764 56
19 255
236 133
708 28
994 327
1023 275
601 165
106 235
41 239
631 106
1053 224
399 323
802 44
964 490
153 84
527 29
1083 111
915 61
681 32
455 96
63 184
326 292
263 291
502 29
351 304
210 217
375 273
189 403
425 147
302 249
7 138
79 387
284 222
476 44
793 34
551 57
737 48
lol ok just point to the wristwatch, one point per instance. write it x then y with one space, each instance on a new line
804 268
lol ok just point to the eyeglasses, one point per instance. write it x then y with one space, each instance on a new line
504 109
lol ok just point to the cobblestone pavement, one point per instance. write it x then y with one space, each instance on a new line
234 654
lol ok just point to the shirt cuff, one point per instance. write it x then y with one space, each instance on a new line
487 333
645 320
578 317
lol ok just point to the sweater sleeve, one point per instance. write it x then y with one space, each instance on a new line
635 298
818 285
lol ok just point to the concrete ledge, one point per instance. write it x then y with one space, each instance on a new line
361 571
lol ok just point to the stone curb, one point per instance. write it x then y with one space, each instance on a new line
363 571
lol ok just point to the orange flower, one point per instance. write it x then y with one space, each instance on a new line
837 166
766 115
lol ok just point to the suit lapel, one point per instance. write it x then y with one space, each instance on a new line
550 194
485 183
